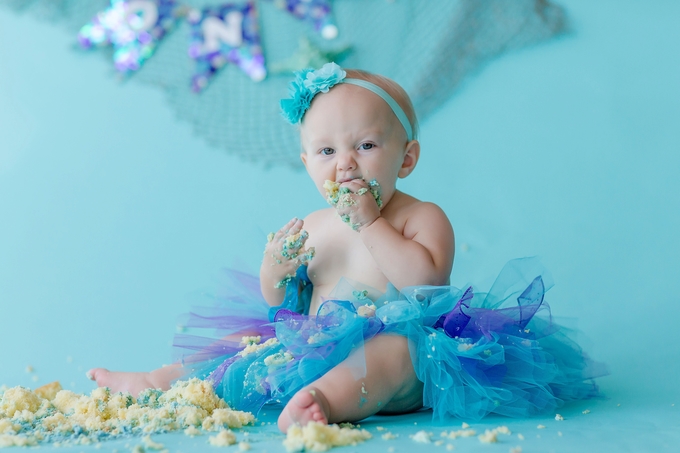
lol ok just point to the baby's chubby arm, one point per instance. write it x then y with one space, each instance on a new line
283 254
422 255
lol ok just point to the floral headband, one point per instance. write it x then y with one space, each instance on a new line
309 82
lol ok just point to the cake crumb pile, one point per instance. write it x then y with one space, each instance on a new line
50 414
316 436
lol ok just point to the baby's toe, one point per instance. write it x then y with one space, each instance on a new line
97 374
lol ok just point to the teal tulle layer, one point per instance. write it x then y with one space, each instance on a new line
475 352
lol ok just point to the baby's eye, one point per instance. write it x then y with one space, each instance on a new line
327 151
366 146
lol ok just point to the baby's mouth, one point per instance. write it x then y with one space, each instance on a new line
344 180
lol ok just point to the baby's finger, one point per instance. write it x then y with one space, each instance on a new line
284 229
358 184
294 229
297 226
295 241
354 184
305 255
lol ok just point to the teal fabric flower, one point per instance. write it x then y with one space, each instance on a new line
321 80
294 109
306 85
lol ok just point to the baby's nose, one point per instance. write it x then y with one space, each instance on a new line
346 161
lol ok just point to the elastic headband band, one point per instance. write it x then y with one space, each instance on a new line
309 82
394 105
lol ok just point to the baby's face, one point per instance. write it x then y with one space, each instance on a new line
351 133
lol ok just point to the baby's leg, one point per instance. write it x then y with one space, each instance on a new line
160 378
136 382
390 385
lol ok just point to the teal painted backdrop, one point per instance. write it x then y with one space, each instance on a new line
113 216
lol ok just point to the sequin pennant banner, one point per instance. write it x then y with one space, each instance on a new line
134 28
224 34
316 12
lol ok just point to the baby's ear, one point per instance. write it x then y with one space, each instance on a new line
303 157
411 157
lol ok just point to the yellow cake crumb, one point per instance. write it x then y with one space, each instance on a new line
389 436
422 436
48 391
317 338
439 442
465 425
255 347
244 446
223 439
516 449
541 427
488 437
6 427
28 418
227 418
462 433
520 436
316 436
366 311
380 428
29 369
585 412
450 447
250 340
558 417
503 430
11 440
192 431
278 359
151 444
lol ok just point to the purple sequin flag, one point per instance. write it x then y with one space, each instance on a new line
316 12
134 28
228 33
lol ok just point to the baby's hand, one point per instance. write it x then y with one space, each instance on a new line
358 207
285 252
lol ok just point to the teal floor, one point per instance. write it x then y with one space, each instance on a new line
113 216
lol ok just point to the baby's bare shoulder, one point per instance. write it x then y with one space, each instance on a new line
423 216
414 209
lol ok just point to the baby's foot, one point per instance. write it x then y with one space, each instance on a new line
309 404
121 382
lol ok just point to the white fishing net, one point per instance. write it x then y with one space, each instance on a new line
429 47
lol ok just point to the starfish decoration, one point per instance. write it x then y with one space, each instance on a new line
308 55
222 34
134 29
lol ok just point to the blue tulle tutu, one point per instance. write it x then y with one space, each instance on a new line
476 353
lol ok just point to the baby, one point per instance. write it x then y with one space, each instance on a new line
353 136
333 354
356 129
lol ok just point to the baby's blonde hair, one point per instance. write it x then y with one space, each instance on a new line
393 89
